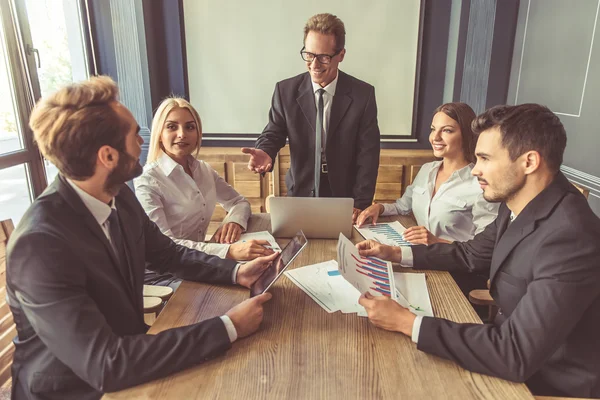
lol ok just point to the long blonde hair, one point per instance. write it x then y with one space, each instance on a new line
158 122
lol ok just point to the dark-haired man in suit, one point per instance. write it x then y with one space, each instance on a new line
75 263
330 120
543 257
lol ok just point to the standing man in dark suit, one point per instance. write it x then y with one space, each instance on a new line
75 264
330 120
543 257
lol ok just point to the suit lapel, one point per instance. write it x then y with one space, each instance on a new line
72 198
341 103
67 192
306 101
538 209
512 236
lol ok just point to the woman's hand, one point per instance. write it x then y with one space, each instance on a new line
228 233
249 250
420 235
372 212
355 214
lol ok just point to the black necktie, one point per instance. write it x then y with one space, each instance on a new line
319 141
116 238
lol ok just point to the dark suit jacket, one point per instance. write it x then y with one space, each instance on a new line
79 318
545 276
352 147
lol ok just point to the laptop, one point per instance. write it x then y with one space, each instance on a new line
317 217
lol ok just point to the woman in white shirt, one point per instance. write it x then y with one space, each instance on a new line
179 192
445 198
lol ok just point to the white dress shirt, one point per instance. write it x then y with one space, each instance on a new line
457 211
181 206
327 102
101 211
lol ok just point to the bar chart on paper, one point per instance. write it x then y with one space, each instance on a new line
365 273
389 233
377 271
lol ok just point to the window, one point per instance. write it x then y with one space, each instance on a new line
48 51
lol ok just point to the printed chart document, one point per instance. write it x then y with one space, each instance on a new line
324 284
365 273
413 293
262 235
389 233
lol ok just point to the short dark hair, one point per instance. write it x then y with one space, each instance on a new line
524 128
464 115
70 125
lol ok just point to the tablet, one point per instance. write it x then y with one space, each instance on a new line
285 258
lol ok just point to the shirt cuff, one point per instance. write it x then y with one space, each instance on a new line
236 219
389 209
416 329
231 331
407 256
234 274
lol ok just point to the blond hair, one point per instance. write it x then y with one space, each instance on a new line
327 24
72 124
158 122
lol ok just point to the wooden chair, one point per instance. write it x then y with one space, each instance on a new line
482 297
583 190
8 331
268 203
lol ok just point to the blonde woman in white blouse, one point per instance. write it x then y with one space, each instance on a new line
179 192
445 198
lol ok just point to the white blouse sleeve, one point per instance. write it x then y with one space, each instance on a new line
147 192
484 213
402 206
236 205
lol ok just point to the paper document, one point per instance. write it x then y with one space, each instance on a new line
365 273
324 284
262 235
389 233
413 293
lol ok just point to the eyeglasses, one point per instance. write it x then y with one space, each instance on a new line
321 58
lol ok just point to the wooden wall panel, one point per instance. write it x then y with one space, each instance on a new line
218 166
397 169
389 183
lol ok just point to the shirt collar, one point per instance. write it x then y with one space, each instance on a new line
100 210
167 164
330 89
464 173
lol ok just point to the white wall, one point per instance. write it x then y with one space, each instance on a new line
237 50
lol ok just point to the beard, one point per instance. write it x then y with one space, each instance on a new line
511 185
127 168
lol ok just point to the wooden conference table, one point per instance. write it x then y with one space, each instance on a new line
302 352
